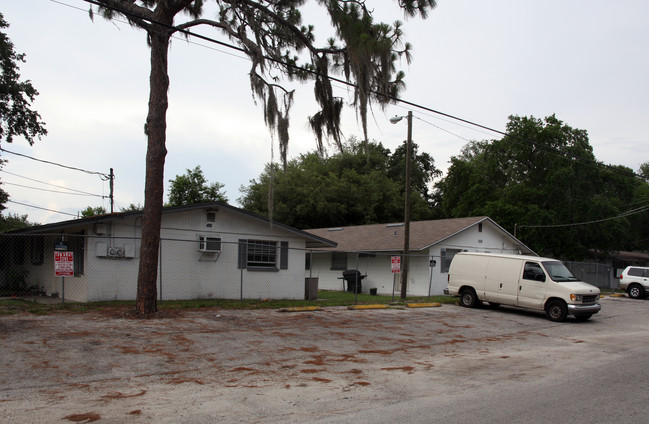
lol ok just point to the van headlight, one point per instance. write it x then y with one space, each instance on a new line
576 297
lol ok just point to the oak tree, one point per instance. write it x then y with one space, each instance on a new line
17 118
192 187
362 184
543 182
271 33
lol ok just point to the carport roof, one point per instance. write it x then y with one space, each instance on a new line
389 237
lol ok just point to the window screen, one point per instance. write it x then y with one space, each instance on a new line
262 254
339 261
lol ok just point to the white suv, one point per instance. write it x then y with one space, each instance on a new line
635 280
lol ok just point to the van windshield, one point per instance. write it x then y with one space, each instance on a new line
558 271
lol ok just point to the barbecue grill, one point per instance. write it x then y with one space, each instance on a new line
353 277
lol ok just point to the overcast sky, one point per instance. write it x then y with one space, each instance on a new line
586 61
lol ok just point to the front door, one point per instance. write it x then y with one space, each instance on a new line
532 286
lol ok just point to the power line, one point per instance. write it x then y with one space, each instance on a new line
347 83
623 215
440 128
45 209
174 37
101 174
51 191
49 184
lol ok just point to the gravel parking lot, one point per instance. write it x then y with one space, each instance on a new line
271 366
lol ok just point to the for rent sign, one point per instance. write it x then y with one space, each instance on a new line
64 264
396 264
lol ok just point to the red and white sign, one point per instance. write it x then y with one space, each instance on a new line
396 264
64 264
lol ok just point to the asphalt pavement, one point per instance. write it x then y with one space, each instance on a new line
329 365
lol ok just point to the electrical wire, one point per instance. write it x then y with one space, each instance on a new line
347 83
52 191
512 137
623 215
101 174
49 184
442 129
38 207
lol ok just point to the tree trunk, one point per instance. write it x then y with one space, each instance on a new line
155 129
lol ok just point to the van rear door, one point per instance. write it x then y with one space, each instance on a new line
508 275
532 286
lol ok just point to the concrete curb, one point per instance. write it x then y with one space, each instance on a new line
616 295
354 307
423 305
361 307
301 309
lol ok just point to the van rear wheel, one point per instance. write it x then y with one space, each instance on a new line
468 298
556 310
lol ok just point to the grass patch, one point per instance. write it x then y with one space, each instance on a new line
325 298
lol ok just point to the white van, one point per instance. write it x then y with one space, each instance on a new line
526 281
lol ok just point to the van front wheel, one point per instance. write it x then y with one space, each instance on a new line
556 311
468 298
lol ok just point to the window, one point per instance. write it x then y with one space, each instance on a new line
558 272
76 244
339 261
262 255
37 250
636 272
447 257
480 227
19 246
533 271
210 217
209 244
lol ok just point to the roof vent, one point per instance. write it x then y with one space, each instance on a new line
399 224
336 229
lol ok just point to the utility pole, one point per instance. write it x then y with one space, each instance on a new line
406 220
111 177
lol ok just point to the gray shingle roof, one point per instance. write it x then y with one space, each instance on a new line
389 237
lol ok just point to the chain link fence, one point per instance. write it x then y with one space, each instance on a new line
599 275
106 268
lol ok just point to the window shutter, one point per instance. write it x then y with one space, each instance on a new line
283 255
243 253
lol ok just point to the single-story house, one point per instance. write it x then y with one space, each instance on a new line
370 249
210 250
620 259
611 264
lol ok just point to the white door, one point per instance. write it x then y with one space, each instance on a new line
532 286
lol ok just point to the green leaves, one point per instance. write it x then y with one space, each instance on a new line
543 178
193 188
353 187
17 119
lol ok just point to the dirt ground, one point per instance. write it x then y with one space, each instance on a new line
261 366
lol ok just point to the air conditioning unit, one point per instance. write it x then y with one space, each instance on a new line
209 244
116 252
